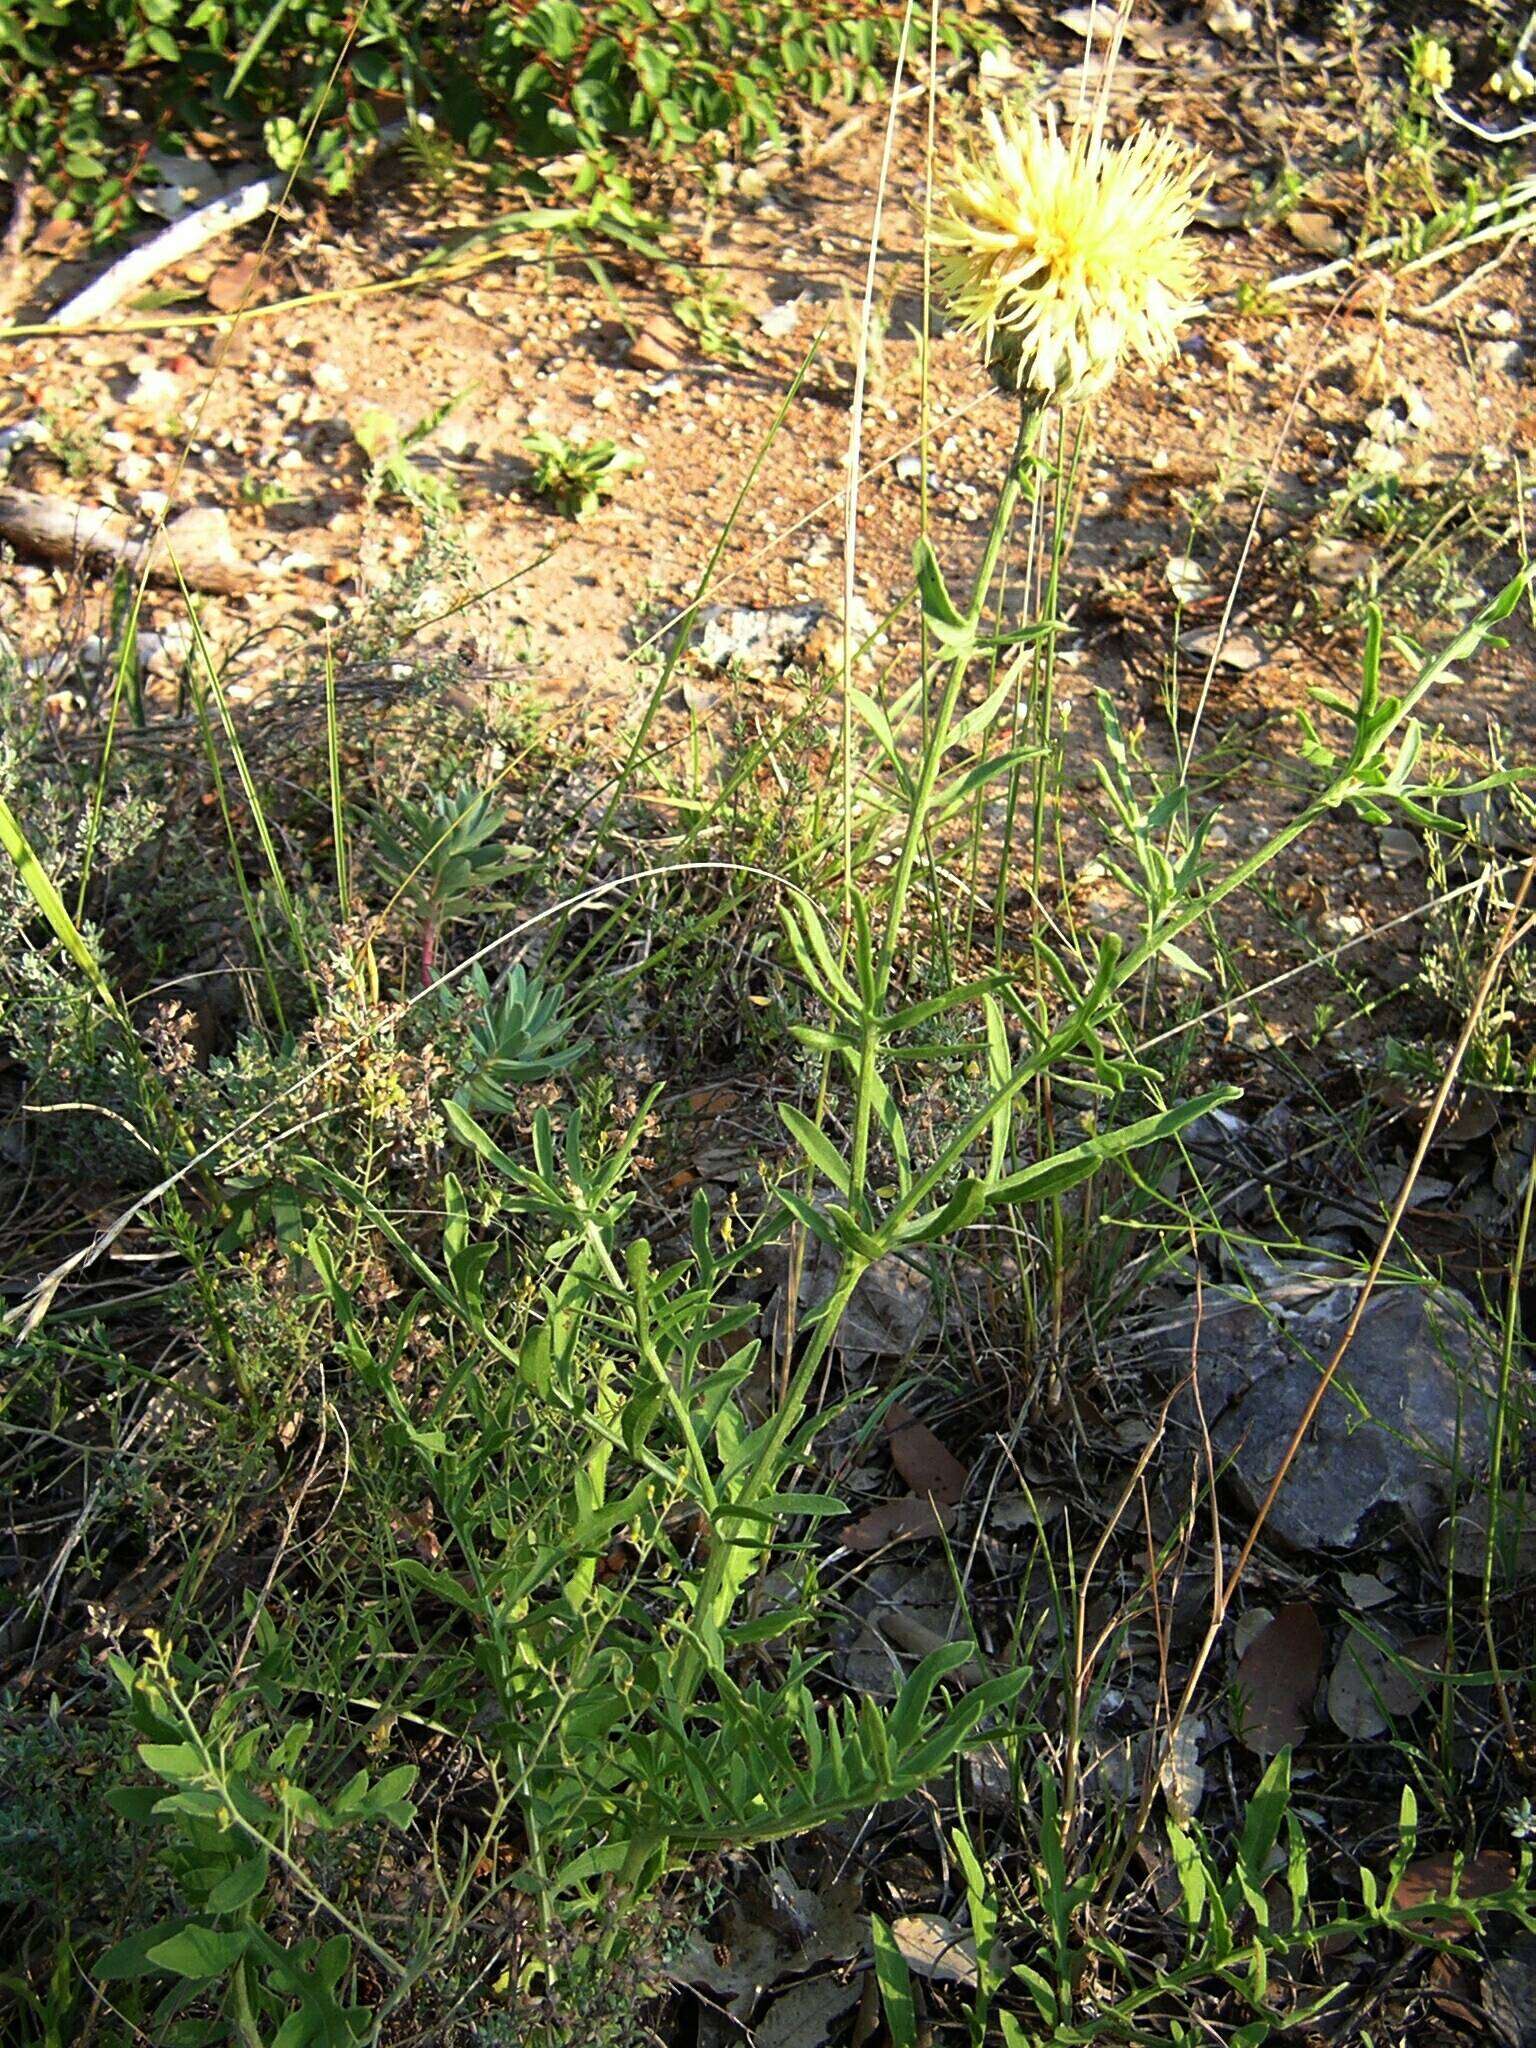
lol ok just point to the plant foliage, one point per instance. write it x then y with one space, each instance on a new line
87 89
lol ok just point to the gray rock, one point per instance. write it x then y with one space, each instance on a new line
1411 1403
1509 1993
757 640
761 641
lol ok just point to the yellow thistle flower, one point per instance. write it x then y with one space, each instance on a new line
1433 66
1063 255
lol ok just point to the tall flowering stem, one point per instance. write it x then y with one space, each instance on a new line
731 1565
1002 522
1059 256
933 755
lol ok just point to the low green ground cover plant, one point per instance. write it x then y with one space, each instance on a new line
574 475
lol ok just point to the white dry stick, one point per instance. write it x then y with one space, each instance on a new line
181 239
855 452
234 208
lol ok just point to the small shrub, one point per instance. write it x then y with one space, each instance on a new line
575 475
85 90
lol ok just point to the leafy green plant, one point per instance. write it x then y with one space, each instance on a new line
51 1820
572 94
518 1034
392 472
1496 816
701 304
267 491
576 475
626 1373
72 439
444 856
1247 1912
229 1824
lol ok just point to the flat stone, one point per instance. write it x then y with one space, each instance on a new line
764 640
1238 651
1412 1402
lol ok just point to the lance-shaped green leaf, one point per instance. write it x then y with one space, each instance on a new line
958 1213
814 957
810 1218
960 792
999 1066
908 1018
895 1982
876 719
38 884
817 1147
1066 1169
943 617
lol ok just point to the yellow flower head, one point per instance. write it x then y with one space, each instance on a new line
1062 255
1433 68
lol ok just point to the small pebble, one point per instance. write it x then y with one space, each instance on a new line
155 390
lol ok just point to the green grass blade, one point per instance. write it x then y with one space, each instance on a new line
38 884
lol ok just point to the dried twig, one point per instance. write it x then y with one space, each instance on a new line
62 531
183 238
234 208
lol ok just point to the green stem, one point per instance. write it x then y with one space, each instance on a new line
922 795
928 773
240 2000
1348 783
731 1562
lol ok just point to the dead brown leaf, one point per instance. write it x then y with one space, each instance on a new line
232 285
1509 1992
1368 1689
805 2015
55 236
1463 1539
1432 1877
1316 233
1276 1679
1010 1513
1183 1774
935 1948
897 1521
922 1460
